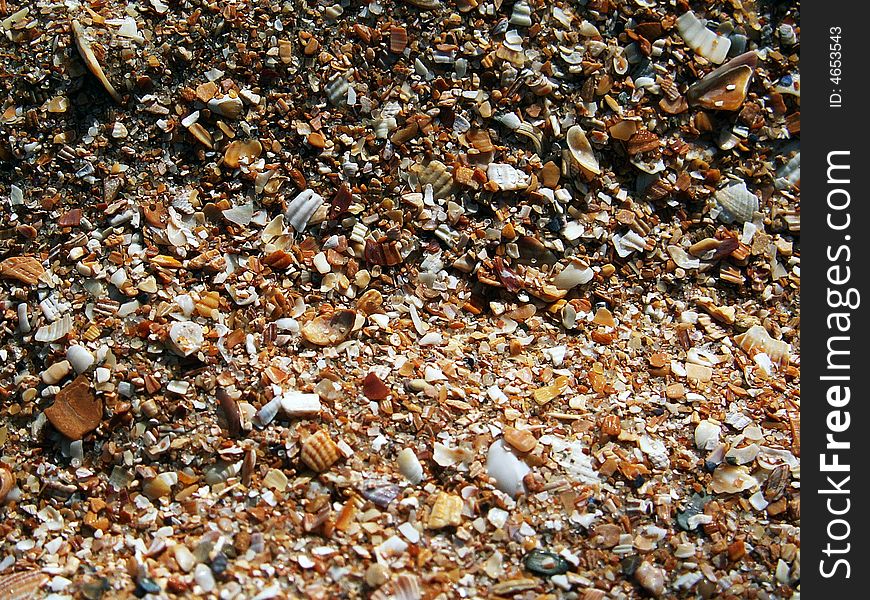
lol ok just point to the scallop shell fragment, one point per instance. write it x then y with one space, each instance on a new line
436 174
22 585
87 54
25 269
187 336
739 203
319 452
581 150
7 482
329 330
700 39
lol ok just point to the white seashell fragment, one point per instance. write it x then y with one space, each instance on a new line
410 466
269 411
729 479
445 456
581 150
187 336
700 39
683 259
240 215
576 273
628 243
80 358
302 208
228 107
54 331
507 470
737 202
757 338
336 91
707 435
742 455
296 404
507 177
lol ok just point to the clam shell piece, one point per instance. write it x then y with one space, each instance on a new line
739 204
724 88
319 452
336 91
22 585
700 39
756 340
228 107
436 174
25 269
302 208
242 151
329 330
87 54
581 150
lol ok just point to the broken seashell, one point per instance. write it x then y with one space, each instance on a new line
728 479
651 578
242 152
739 203
319 452
534 134
682 258
23 584
628 243
576 273
76 411
507 177
7 482
756 339
702 40
707 435
187 336
55 330
446 512
227 106
87 54
26 269
302 208
724 88
506 469
581 150
410 466
329 330
240 215
436 174
337 90
297 404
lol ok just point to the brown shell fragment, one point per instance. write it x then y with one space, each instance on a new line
76 411
329 330
374 388
25 269
398 39
319 452
90 59
724 88
22 585
230 409
382 253
7 482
